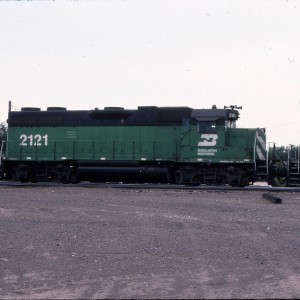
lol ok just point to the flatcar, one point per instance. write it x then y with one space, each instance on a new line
147 144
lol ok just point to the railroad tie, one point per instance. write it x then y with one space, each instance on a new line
272 198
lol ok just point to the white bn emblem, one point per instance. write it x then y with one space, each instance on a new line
208 140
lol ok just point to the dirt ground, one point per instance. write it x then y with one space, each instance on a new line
70 242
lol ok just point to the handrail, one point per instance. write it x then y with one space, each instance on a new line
1 151
298 159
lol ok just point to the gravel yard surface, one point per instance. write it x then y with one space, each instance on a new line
70 242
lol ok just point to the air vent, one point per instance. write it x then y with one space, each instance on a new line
30 109
56 108
114 107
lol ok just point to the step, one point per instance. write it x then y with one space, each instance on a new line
261 174
294 178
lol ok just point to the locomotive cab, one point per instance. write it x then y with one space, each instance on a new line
221 152
213 125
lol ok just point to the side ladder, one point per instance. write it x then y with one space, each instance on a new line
294 167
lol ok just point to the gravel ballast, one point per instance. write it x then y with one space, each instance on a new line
68 242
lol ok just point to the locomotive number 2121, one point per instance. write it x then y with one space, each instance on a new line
33 140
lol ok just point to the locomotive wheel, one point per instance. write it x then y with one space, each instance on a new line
32 177
63 180
73 177
244 180
197 180
23 179
225 178
178 179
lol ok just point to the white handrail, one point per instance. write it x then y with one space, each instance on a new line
1 151
298 159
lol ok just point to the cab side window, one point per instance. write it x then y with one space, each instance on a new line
185 125
207 127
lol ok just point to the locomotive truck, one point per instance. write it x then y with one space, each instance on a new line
147 144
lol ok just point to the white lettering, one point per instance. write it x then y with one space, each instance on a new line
207 152
30 140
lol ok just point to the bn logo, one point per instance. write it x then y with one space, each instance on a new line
208 140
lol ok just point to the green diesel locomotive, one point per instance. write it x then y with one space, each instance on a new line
147 144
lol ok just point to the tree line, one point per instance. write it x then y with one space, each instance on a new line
3 132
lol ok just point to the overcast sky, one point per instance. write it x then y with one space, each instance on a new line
87 54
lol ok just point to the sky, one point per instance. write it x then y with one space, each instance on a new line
130 53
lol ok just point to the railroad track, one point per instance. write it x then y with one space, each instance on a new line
151 186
